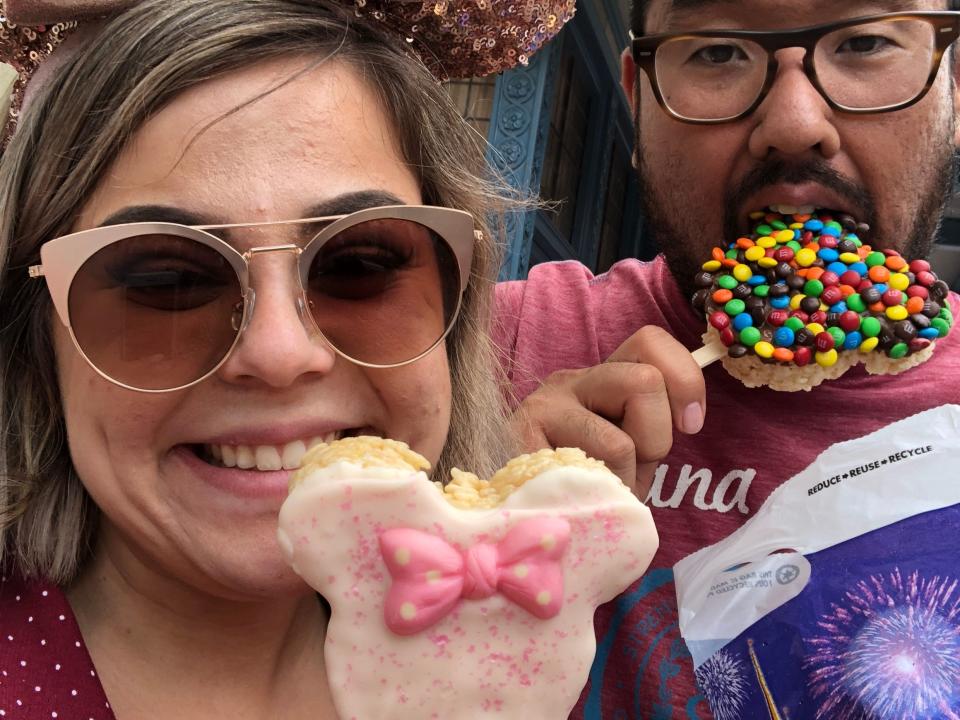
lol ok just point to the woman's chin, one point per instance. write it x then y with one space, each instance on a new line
252 585
248 574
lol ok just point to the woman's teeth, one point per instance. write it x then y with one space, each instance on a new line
265 457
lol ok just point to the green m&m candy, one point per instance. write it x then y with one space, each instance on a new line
813 288
899 350
875 258
855 303
941 325
870 327
750 336
734 307
838 335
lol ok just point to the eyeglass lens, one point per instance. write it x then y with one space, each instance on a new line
867 66
156 312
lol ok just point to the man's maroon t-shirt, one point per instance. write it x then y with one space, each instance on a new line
711 483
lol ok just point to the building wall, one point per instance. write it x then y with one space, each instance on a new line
562 125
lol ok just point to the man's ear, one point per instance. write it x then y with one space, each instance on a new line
628 79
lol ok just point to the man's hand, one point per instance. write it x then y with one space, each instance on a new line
623 411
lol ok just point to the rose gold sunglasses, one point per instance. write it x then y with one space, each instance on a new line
157 307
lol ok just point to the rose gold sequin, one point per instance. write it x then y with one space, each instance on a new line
25 48
472 38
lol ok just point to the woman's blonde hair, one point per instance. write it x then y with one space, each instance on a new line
74 129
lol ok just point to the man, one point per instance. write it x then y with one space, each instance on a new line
700 181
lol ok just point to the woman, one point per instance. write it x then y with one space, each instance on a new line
142 445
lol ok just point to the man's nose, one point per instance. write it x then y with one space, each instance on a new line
794 118
280 342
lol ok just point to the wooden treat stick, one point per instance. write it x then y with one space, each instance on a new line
709 353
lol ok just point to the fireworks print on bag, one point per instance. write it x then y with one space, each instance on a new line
891 650
723 681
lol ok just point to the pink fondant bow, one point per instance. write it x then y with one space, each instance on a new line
430 576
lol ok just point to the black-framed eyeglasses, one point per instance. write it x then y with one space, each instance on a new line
873 64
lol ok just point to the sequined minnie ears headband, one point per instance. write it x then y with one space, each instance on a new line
455 38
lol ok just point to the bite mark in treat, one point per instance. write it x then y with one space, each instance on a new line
802 299
471 600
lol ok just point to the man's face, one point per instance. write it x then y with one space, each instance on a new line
700 182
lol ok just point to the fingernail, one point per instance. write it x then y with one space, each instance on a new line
692 421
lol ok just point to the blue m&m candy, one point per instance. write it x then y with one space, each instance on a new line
784 337
853 340
741 321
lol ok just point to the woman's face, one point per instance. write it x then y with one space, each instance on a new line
147 459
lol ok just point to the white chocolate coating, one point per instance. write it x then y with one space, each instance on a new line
488 658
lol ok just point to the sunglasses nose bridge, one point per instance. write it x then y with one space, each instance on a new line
300 299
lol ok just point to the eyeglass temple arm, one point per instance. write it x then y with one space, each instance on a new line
35 271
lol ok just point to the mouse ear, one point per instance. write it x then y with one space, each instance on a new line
471 38
453 38
22 50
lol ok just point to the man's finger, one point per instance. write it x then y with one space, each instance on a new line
652 345
575 426
599 438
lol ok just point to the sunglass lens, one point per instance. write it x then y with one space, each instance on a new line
384 291
155 312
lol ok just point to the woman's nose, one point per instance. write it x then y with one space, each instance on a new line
279 342
794 118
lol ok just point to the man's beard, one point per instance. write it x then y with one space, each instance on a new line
684 252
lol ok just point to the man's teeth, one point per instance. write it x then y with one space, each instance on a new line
266 457
794 209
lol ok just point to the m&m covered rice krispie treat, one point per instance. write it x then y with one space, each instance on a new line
803 298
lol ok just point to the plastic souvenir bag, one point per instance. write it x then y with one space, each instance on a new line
840 599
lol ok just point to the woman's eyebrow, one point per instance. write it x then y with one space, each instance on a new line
343 204
154 213
352 202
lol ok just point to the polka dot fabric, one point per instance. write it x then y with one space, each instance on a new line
45 669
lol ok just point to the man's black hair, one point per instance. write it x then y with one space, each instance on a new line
639 8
